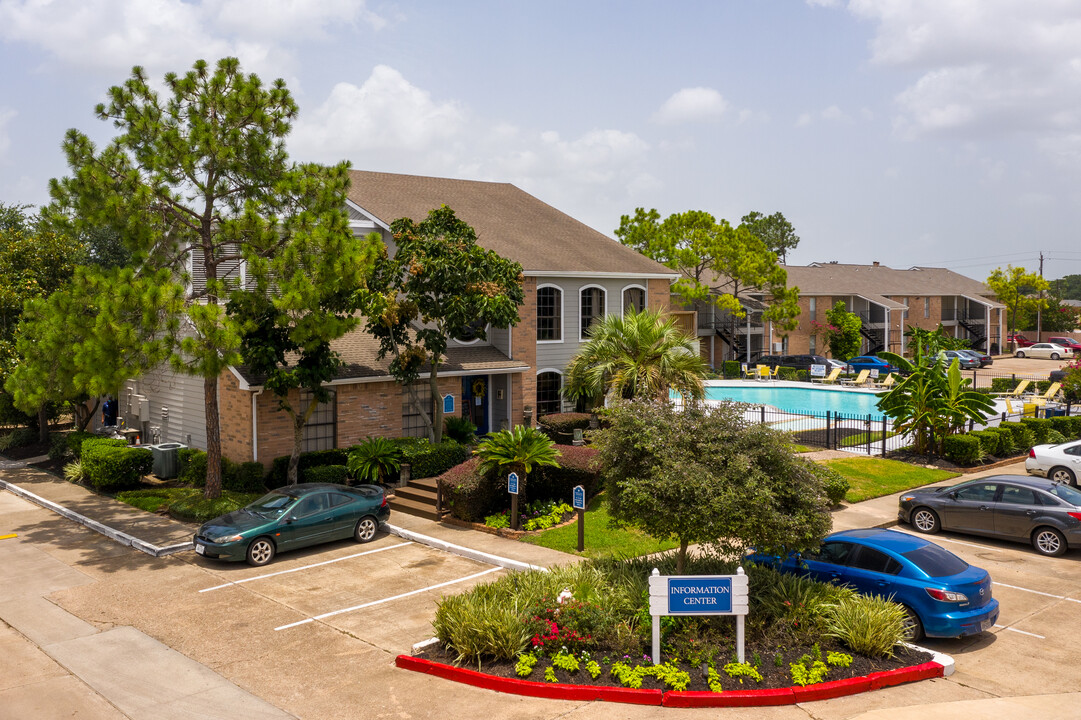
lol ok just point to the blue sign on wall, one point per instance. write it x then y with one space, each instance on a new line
578 501
448 404
693 596
512 483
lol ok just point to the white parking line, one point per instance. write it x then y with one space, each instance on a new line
305 567
1037 592
955 542
384 600
1004 627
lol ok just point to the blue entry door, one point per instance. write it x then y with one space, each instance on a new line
476 392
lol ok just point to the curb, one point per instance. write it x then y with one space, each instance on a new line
116 535
672 698
478 555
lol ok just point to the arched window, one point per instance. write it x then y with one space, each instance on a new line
591 307
549 383
634 296
549 314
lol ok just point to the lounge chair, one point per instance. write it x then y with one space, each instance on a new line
1017 392
831 378
1027 409
1049 396
885 384
860 380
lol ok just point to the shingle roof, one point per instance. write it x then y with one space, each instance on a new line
359 353
509 221
876 281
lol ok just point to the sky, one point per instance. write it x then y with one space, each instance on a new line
909 132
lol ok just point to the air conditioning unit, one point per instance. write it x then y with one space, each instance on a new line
778 347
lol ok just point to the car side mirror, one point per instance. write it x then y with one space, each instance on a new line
290 520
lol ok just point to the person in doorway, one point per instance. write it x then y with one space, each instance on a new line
108 412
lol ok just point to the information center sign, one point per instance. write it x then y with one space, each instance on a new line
697 595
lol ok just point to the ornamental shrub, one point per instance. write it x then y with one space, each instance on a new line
577 466
560 427
469 494
192 467
428 460
1022 436
245 477
962 449
1039 428
111 467
75 442
787 373
834 483
279 469
1005 441
1064 425
732 368
325 474
989 441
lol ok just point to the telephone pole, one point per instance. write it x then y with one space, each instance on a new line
1039 308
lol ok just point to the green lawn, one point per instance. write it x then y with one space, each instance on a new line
861 438
189 502
875 477
600 540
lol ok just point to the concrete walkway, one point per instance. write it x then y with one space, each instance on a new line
79 665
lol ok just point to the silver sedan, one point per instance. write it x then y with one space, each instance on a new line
1049 351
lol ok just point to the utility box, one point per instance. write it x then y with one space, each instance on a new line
166 460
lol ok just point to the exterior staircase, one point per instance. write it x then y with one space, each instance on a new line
416 498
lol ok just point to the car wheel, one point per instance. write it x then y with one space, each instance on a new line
913 626
365 529
260 552
925 520
1054 356
1020 354
1062 475
1048 541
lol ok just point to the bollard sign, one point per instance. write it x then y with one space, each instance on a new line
512 483
578 498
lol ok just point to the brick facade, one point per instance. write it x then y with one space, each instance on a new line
234 412
523 346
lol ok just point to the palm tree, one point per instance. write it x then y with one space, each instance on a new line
374 459
636 355
518 450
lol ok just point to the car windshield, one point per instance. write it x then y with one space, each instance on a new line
935 561
274 503
1067 492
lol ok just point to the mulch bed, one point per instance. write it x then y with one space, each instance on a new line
989 463
773 676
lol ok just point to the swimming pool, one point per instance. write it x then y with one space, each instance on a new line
798 398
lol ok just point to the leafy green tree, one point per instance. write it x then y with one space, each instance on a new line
932 342
374 459
439 285
199 188
636 355
932 401
1019 290
842 332
517 450
705 475
774 230
717 263
1059 318
1068 287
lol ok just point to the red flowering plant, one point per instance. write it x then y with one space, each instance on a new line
572 624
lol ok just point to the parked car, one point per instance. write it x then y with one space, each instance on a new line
799 362
1019 340
870 362
1066 342
981 357
832 363
293 517
1060 462
1012 507
1044 350
964 360
942 594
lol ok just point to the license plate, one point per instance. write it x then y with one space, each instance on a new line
986 625
200 549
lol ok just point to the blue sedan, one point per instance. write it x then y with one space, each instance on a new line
871 362
943 595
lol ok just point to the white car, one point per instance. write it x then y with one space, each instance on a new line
1044 350
1061 462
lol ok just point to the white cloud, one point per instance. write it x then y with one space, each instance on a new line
6 116
804 119
168 35
835 114
993 66
696 104
831 114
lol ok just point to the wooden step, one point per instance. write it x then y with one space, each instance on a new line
423 482
421 494
413 507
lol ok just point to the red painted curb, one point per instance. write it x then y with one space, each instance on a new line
729 698
552 691
687 699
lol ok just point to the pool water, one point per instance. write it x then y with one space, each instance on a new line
799 399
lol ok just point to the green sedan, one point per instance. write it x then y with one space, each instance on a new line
292 517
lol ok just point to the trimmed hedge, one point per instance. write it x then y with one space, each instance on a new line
732 368
990 442
428 460
325 474
560 427
1066 425
577 466
788 373
962 449
110 466
246 477
279 469
469 495
1006 447
1022 436
1039 428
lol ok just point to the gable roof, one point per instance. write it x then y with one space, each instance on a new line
509 221
877 281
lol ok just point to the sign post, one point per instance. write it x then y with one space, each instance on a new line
512 488
697 595
579 504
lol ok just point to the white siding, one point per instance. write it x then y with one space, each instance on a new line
558 354
174 403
